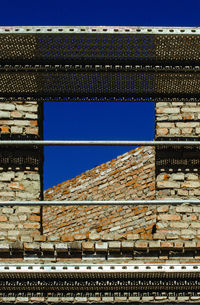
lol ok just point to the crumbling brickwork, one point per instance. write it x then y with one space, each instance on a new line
128 177
177 174
20 170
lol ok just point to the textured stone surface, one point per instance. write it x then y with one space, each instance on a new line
128 177
18 223
179 222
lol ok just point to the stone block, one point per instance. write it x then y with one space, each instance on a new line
47 246
190 184
88 246
7 106
163 209
4 114
94 299
127 245
133 236
190 244
94 236
31 246
16 130
67 237
141 244
167 244
67 299
147 298
22 299
80 299
62 247
114 245
184 209
154 244
52 300
107 299
7 176
168 184
101 246
178 176
181 225
120 299
171 110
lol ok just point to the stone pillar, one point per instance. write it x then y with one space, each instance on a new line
20 170
177 168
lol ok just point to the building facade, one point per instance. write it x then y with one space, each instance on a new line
141 253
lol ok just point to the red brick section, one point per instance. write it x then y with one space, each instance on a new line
130 176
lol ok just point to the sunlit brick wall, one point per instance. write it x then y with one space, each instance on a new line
20 176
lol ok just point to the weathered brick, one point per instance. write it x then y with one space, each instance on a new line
7 106
47 246
133 236
162 131
4 114
163 209
154 244
101 246
7 176
184 209
127 245
190 184
178 224
88 246
31 246
94 236
3 218
34 218
67 237
166 244
168 184
114 245
32 225
141 244
169 217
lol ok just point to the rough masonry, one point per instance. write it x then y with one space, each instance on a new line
129 177
177 168
20 170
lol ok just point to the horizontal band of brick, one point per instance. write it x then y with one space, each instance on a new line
100 299
98 247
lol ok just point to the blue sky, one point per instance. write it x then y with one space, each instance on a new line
85 121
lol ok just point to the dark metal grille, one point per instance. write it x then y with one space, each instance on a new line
96 48
92 83
84 52
177 157
101 284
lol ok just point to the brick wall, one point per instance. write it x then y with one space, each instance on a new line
128 177
177 168
20 170
178 175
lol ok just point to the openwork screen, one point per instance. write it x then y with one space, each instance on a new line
99 66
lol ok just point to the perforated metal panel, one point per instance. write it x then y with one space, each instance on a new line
99 48
88 84
109 64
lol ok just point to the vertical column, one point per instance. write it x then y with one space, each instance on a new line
20 170
177 168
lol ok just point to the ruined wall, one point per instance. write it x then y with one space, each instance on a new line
128 177
20 170
177 168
